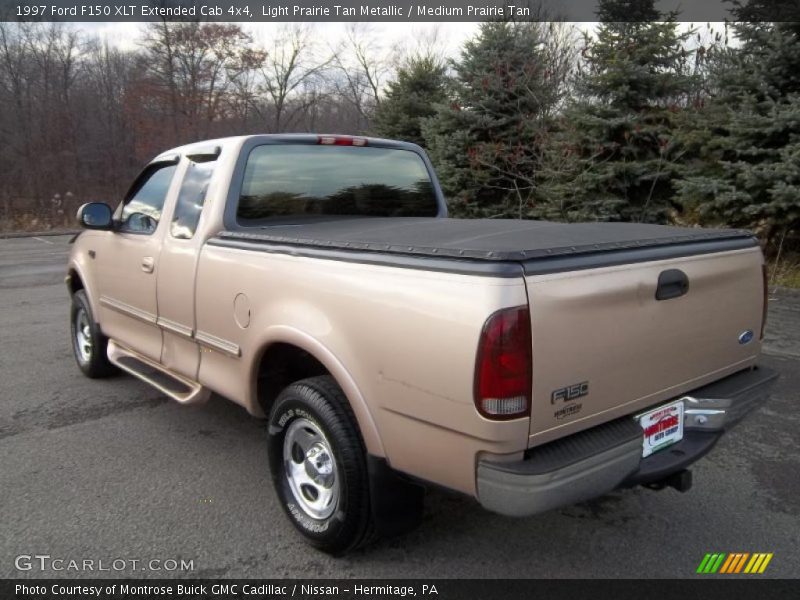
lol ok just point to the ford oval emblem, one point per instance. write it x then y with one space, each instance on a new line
746 337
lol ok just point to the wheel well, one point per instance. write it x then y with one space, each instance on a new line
281 365
75 282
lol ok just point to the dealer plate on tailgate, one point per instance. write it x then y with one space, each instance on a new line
663 426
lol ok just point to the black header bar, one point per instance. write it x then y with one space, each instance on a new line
705 587
410 11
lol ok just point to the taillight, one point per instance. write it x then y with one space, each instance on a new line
503 366
766 301
341 140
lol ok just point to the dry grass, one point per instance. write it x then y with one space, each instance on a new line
786 272
24 222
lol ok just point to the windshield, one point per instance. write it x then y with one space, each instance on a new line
284 180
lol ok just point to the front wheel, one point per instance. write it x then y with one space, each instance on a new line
318 465
88 343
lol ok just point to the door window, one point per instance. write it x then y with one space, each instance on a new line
141 210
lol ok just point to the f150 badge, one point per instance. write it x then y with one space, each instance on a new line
567 395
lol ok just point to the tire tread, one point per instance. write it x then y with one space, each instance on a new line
98 367
323 395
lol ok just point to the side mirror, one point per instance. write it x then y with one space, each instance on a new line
95 215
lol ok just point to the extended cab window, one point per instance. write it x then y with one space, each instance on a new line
191 198
285 180
141 210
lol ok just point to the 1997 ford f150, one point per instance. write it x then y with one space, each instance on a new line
316 281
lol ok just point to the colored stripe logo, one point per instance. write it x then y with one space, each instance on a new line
734 563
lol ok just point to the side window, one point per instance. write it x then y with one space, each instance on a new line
141 210
191 198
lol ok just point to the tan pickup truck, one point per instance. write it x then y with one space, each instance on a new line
317 282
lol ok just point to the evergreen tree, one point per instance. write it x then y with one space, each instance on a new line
749 175
616 156
420 85
753 11
486 142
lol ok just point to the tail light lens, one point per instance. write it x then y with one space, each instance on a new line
503 366
766 301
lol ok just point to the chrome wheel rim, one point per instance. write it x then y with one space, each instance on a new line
83 335
310 469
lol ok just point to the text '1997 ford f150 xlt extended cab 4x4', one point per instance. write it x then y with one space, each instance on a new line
317 281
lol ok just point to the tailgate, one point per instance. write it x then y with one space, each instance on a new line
604 346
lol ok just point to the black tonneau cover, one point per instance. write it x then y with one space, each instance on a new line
497 248
491 240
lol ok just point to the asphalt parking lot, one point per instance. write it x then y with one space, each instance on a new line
112 469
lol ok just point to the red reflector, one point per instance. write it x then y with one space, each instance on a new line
503 365
341 140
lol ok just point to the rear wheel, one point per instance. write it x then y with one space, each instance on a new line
318 465
88 343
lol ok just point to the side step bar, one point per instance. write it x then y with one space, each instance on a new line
175 386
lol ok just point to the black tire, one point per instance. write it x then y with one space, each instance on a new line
315 412
88 342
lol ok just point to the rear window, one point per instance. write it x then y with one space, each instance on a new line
294 180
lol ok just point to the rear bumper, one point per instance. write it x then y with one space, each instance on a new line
598 460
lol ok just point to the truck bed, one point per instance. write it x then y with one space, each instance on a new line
540 246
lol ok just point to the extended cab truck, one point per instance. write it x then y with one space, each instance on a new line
317 281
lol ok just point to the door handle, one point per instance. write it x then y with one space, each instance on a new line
148 264
672 283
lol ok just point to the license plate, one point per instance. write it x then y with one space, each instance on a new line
663 426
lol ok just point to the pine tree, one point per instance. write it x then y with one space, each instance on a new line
486 142
616 156
420 85
749 175
752 11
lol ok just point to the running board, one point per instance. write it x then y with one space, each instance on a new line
175 386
